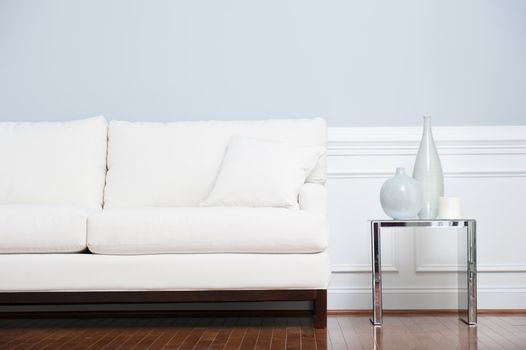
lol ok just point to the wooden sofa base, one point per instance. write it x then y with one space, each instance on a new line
317 296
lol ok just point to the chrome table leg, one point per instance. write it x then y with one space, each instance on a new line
472 273
376 246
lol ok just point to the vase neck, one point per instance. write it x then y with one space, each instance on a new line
400 171
427 125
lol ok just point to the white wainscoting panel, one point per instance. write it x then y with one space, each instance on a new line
484 166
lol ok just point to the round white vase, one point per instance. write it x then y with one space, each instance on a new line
401 196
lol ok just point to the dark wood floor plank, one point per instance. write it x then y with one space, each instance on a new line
265 335
505 341
98 330
120 336
14 331
322 339
354 334
293 334
430 332
78 329
16 336
336 335
192 338
39 337
135 333
211 330
11 330
252 334
279 334
394 334
111 333
308 339
423 337
237 335
502 321
512 334
433 329
182 333
223 335
151 337
169 330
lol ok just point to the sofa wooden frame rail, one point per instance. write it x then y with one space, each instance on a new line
317 296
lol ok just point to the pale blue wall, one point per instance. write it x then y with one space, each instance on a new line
353 62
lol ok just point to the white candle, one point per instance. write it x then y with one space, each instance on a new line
449 208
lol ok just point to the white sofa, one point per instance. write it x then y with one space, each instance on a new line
98 212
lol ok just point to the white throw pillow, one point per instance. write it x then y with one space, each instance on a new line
258 173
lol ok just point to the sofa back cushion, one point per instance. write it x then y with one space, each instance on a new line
62 163
176 164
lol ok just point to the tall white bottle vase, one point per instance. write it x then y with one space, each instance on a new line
428 172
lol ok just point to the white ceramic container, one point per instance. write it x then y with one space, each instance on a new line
401 196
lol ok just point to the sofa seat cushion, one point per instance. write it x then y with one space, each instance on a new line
42 229
206 230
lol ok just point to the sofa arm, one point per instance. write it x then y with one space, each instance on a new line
313 198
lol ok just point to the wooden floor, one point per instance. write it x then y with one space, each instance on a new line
343 332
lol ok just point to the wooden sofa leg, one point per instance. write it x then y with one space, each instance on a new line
320 309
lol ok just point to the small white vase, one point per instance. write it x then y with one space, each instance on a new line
401 196
428 172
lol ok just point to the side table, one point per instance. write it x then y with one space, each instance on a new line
467 283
